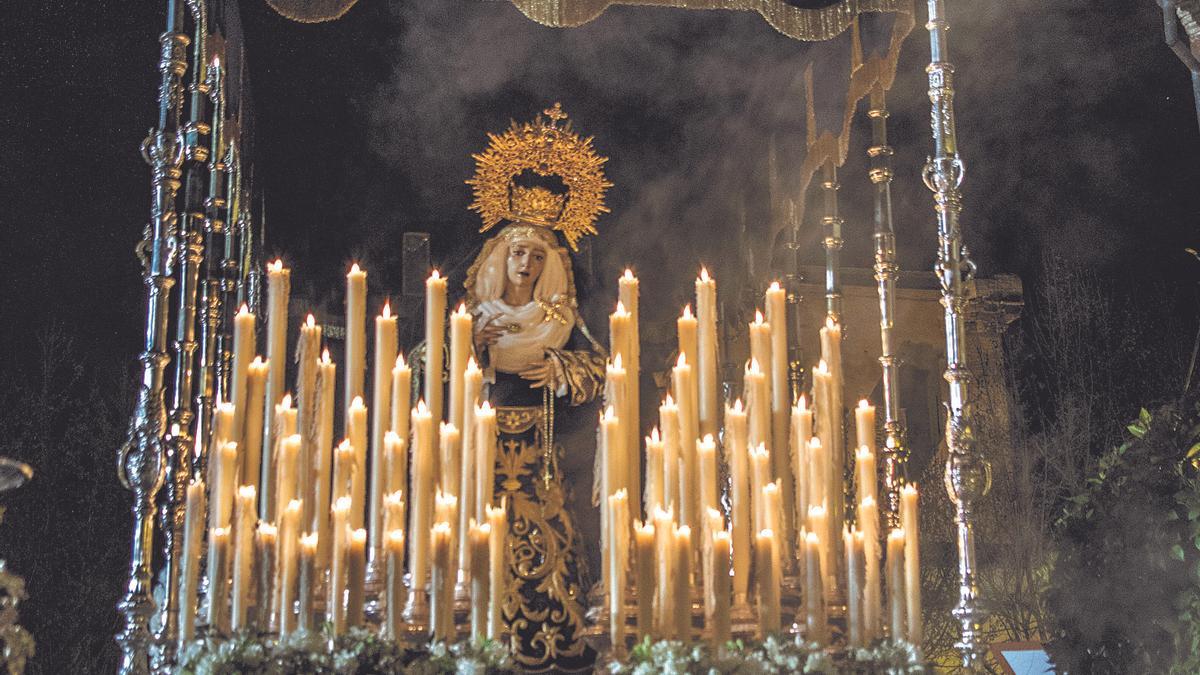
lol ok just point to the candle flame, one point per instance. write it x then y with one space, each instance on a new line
309 540
246 492
771 487
243 310
704 274
486 408
708 440
435 274
684 531
258 362
643 528
276 266
494 511
325 356
357 403
655 437
687 311
668 401
775 287
814 443
387 309
221 532
681 362
896 534
738 408
867 502
400 362
359 536
609 414
354 269
266 529
758 317
310 321
766 533
816 511
722 535
396 538
484 529
462 309
616 362
812 539
441 529
862 453
621 308
802 402
294 506
471 365
822 367
830 323
628 276
396 497
911 488
753 367
216 62
863 404
286 402
422 409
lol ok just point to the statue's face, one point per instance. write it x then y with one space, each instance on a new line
525 264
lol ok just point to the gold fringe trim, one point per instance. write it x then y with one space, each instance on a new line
809 25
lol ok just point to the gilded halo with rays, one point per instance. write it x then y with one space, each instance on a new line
548 151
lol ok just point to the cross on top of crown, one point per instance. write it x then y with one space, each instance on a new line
556 114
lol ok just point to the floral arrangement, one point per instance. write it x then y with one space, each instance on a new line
357 652
773 655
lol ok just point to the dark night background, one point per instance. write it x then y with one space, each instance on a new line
1076 122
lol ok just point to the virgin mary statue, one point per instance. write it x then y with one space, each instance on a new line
538 181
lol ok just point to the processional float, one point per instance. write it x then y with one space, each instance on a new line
765 542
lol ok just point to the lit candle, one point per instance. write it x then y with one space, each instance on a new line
687 329
654 494
401 402
643 533
760 354
706 315
356 577
193 532
868 522
218 580
460 351
449 445
768 583
252 436
866 475
308 580
814 594
864 424
344 468
818 473
910 518
386 338
222 476
435 332
852 541
688 436
664 543
772 499
631 414
445 510
486 439
740 496
498 577
720 619
831 353
287 572
615 393
758 403
287 424
479 541
472 385
335 606
618 523
243 352
356 432
681 590
801 435
895 581
287 461
818 524
393 511
394 548
356 333
308 410
323 458
246 514
278 289
421 504
668 419
760 475
781 392
441 597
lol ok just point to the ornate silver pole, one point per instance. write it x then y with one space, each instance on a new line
189 245
229 264
210 301
968 475
792 280
832 242
895 450
141 459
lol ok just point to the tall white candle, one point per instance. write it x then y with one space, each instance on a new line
643 533
386 338
740 495
193 532
707 459
435 336
895 582
480 567
460 351
486 439
394 549
243 352
286 482
307 394
721 626
323 459
852 540
618 559
868 522
441 593
421 504
356 333
768 583
760 354
251 444
401 401
308 580
781 403
631 416
288 569
356 575
681 586
668 419
218 580
688 329
468 458
654 494
689 500
356 432
816 629
664 534
498 577
223 477
340 534
864 424
801 433
865 475
706 315
911 519
278 290
246 515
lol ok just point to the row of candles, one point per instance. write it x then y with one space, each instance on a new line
299 520
786 492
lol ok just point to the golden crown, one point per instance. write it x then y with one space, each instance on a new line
548 150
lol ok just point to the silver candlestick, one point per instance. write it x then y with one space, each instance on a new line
968 474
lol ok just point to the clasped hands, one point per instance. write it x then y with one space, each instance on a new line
538 375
